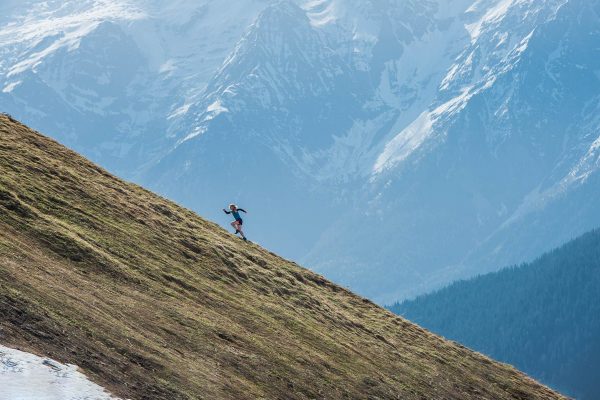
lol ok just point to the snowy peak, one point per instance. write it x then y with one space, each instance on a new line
72 73
498 38
499 35
280 46
282 11
279 69
47 27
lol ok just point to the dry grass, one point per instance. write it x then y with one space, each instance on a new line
154 302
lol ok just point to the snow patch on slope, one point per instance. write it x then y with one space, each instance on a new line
588 165
494 15
419 131
320 12
25 376
11 86
406 142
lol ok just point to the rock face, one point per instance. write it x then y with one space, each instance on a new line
154 302
393 146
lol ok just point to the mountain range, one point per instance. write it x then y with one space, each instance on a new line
393 146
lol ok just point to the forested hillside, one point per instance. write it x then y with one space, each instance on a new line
543 317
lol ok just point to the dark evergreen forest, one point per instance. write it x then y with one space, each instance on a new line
543 317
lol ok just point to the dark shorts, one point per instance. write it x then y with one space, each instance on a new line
240 221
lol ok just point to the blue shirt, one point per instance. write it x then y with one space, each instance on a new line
236 213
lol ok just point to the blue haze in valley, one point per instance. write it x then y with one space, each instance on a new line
394 146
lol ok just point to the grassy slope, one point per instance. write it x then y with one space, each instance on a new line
154 302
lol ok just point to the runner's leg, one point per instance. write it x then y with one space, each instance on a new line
239 228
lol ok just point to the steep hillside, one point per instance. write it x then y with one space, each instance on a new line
154 302
543 317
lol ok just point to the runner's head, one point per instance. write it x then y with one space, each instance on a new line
232 207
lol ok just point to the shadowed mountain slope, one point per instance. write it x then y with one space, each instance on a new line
543 316
154 302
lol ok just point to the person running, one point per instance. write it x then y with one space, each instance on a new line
237 224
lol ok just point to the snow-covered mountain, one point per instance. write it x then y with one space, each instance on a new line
392 145
116 70
490 173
